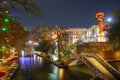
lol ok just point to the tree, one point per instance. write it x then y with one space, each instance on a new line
44 38
116 15
53 34
43 46
60 39
12 34
114 31
31 7
114 36
65 53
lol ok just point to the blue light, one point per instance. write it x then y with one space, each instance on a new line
14 13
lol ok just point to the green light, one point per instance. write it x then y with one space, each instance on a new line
4 47
4 29
13 19
6 19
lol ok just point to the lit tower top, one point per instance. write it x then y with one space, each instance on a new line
101 18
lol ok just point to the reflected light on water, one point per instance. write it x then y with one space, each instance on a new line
34 56
60 74
22 61
55 70
23 53
52 76
34 59
39 59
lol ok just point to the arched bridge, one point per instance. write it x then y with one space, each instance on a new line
97 65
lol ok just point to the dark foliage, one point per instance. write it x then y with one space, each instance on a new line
43 46
114 31
114 35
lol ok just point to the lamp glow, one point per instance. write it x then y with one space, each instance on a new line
109 19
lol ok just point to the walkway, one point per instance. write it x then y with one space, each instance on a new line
97 65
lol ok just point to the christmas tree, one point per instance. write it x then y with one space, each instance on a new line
12 34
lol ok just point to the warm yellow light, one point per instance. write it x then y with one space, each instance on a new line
5 2
54 36
61 73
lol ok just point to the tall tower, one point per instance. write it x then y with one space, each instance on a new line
101 29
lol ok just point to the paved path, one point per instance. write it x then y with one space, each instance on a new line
101 68
97 65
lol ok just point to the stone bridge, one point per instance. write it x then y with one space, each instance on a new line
97 65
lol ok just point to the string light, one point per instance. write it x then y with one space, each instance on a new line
4 29
5 2
6 20
6 11
4 47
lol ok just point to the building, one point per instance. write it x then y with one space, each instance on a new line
77 34
86 34
93 34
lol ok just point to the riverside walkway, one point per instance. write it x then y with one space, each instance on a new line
97 65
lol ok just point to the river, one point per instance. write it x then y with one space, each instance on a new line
35 68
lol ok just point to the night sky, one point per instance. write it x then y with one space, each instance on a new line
70 13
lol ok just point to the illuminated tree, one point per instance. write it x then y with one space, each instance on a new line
43 33
53 35
12 34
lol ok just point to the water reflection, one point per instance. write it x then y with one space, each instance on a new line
55 69
36 68
61 73
23 53
39 59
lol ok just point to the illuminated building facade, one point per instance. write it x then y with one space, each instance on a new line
77 34
86 34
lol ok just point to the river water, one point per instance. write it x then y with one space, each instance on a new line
35 68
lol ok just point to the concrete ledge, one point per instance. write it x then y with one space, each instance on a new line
57 63
117 60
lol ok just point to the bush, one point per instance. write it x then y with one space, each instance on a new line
65 53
